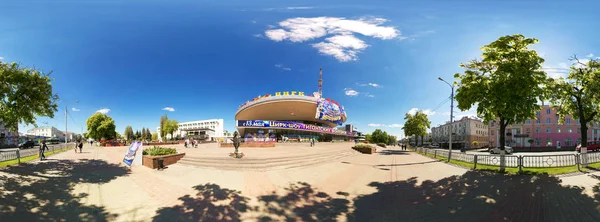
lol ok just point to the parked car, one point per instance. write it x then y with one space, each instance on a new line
591 146
507 149
434 146
26 144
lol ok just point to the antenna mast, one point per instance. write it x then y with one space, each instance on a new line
321 82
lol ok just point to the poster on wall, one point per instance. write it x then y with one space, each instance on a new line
329 111
130 155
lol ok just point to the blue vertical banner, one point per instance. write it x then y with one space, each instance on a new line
130 155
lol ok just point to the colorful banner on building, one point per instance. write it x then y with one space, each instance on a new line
291 125
330 111
130 155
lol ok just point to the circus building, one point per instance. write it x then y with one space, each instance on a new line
292 116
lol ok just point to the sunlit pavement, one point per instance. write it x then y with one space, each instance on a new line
387 186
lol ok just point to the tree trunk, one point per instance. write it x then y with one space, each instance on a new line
421 140
502 144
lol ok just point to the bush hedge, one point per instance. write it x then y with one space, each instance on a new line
381 145
159 151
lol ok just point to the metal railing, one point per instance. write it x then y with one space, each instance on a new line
16 153
512 161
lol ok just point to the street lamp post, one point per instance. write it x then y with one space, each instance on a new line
451 117
66 110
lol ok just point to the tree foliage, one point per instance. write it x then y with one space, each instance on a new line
163 121
416 124
578 94
26 94
154 136
506 84
380 136
148 134
143 134
101 126
170 126
129 133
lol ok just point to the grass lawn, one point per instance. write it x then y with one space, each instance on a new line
515 170
30 158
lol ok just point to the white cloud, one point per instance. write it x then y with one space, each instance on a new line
395 125
253 21
1 58
170 109
75 109
283 67
427 112
103 111
350 92
342 44
299 8
258 35
561 70
590 55
374 125
369 84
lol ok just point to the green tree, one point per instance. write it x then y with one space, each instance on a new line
154 136
26 94
129 133
170 126
416 125
163 120
148 134
118 135
101 126
506 84
368 138
138 135
578 94
143 133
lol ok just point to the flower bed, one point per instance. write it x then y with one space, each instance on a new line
365 149
152 155
248 145
108 144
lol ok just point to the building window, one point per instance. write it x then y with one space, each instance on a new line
548 120
492 132
569 130
568 142
547 111
537 121
537 113
558 130
493 122
548 130
568 120
548 141
528 121
537 129
538 141
578 140
578 130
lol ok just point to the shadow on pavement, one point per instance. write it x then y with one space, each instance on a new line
476 196
393 152
301 202
212 203
42 191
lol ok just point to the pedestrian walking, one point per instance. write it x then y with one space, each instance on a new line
43 148
80 147
76 144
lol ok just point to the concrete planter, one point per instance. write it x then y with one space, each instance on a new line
365 150
248 145
152 161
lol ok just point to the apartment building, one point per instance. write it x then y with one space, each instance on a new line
47 131
468 132
544 131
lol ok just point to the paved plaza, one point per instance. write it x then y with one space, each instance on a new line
391 185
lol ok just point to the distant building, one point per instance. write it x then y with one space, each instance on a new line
543 131
48 132
8 137
465 132
203 129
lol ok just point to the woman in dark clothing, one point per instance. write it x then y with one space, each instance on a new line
43 147
80 147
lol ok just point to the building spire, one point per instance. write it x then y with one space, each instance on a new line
321 82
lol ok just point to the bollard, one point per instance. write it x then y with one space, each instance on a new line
435 154
18 156
474 161
520 163
578 161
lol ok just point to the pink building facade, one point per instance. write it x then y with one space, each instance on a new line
545 131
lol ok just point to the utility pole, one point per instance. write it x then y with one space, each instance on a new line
321 82
65 134
451 118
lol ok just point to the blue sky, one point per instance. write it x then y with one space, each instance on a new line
205 58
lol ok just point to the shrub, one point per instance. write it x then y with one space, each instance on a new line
363 146
381 145
159 151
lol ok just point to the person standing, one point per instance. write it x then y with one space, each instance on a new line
80 147
43 148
